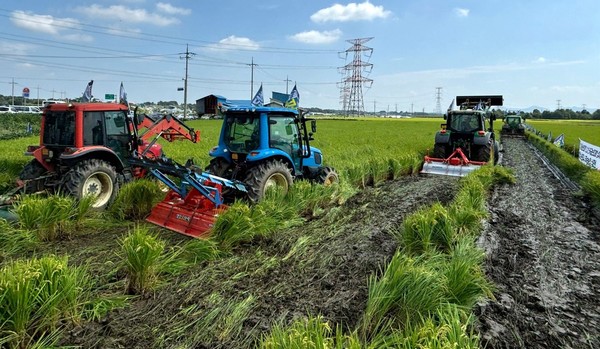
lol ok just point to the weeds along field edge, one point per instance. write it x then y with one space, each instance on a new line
588 130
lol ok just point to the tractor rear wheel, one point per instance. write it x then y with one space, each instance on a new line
30 172
439 151
483 153
260 179
327 176
92 177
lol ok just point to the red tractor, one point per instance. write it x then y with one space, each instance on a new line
91 148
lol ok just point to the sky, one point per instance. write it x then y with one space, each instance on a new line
542 53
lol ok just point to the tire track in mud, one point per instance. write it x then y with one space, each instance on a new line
544 258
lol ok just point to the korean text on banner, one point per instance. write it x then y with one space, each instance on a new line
589 154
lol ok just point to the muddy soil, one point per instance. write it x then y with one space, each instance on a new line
327 276
543 255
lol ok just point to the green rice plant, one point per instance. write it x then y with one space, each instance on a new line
199 250
216 319
567 163
409 289
14 240
136 199
310 333
449 327
37 296
52 217
591 185
143 257
427 230
466 281
472 194
96 309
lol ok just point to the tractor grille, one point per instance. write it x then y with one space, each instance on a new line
318 158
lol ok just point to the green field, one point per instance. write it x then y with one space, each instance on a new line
587 130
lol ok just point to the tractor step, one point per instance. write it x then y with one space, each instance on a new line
457 165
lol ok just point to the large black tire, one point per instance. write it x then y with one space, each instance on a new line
496 152
30 172
92 177
328 176
439 151
483 153
261 178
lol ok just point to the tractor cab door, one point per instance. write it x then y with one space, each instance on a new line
109 129
285 135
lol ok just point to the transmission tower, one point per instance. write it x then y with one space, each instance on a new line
351 93
438 100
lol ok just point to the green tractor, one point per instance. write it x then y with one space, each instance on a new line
514 125
467 140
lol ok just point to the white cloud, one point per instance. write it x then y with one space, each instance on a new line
119 12
462 12
352 12
42 23
14 48
172 10
236 43
540 60
317 37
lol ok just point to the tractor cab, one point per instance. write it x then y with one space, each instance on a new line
266 146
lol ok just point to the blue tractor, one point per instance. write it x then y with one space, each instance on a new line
268 146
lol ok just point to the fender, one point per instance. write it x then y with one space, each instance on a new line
442 138
262 154
315 159
92 152
482 140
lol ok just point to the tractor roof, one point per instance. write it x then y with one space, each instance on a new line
86 106
257 109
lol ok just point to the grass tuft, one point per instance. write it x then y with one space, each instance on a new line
136 199
427 230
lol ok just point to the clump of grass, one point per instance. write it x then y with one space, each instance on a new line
14 240
568 164
143 256
591 185
52 217
408 289
427 230
466 281
448 327
310 333
37 296
136 199
199 250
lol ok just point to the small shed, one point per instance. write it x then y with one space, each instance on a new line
209 105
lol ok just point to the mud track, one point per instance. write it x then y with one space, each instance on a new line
327 277
544 258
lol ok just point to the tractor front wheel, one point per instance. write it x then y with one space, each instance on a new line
269 175
92 177
328 176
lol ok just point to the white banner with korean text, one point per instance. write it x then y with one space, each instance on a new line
589 154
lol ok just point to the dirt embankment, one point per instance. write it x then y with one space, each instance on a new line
543 255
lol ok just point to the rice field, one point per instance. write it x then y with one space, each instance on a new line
587 130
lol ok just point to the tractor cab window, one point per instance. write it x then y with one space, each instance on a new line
59 128
283 133
465 123
93 128
117 134
242 132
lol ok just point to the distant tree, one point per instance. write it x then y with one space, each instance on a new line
596 115
536 114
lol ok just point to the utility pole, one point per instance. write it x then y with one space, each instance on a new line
396 110
374 107
252 78
187 57
558 104
13 83
38 95
411 108
287 81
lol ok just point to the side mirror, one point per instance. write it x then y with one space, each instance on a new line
445 116
313 126
138 118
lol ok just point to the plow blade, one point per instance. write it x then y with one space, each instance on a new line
457 165
194 216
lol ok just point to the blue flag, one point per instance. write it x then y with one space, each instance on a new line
258 99
123 95
87 94
294 99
